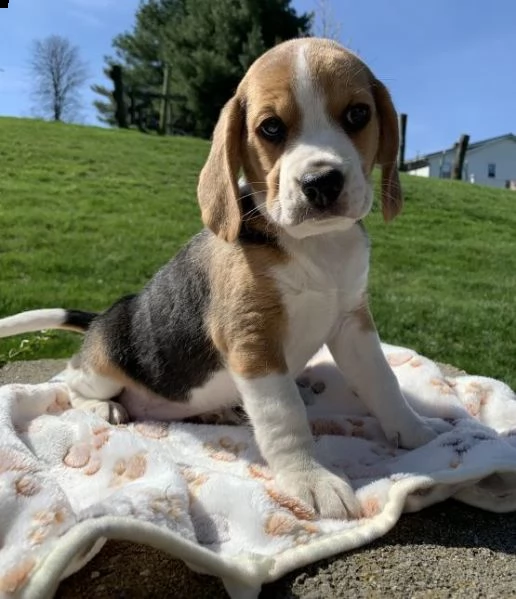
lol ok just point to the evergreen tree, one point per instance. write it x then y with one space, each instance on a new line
207 46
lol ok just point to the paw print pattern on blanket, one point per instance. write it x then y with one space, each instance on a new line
44 523
15 578
225 449
371 506
128 470
207 485
194 482
443 386
477 396
293 505
352 427
283 524
86 455
152 430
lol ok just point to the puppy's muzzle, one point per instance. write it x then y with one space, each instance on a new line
323 188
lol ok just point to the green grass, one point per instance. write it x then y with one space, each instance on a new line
88 214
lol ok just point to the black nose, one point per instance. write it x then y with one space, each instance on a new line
322 188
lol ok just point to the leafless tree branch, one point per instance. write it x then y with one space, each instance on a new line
325 23
58 74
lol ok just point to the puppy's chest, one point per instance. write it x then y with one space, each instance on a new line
311 316
315 295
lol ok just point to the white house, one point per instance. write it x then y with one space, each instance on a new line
490 162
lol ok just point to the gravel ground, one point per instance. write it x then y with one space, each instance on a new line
449 551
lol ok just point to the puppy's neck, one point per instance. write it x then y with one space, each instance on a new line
256 227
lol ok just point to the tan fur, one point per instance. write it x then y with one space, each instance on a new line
346 81
364 317
70 327
218 189
246 319
268 86
265 91
94 356
392 199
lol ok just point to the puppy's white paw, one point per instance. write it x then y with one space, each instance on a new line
416 432
329 495
111 411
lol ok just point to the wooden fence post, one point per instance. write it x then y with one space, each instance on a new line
402 128
164 112
118 96
132 107
460 155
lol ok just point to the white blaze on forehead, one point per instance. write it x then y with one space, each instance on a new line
309 95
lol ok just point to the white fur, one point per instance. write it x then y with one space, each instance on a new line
218 393
93 392
317 284
32 320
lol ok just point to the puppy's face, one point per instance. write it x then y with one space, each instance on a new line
307 124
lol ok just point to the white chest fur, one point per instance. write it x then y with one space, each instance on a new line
325 279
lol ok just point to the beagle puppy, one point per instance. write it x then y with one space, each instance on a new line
279 270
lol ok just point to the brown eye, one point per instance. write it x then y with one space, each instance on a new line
272 129
356 117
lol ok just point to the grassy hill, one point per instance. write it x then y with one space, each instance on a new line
88 214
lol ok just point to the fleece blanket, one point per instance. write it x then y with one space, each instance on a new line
202 493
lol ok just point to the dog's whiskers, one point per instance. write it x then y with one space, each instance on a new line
256 209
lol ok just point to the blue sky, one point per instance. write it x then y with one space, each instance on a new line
450 64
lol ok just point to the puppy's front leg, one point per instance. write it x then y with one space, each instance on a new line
356 348
277 413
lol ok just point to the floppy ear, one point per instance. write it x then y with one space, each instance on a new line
217 191
392 200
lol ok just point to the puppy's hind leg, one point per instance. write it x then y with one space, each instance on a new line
94 392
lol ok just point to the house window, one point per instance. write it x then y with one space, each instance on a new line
491 170
445 170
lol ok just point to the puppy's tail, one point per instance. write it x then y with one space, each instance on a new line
39 320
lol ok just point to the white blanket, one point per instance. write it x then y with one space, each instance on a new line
68 480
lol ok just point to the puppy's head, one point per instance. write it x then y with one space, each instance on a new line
307 124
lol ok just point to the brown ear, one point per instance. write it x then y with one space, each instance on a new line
217 191
392 199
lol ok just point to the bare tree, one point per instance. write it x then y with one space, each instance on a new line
58 74
325 23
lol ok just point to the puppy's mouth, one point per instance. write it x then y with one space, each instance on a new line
347 209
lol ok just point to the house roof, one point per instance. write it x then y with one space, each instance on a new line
423 160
